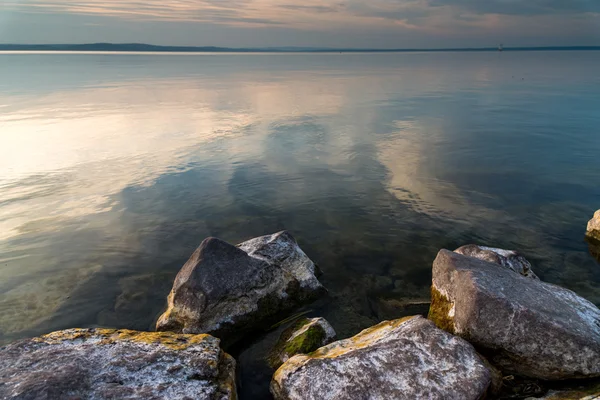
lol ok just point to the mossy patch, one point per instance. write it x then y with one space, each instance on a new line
439 311
289 345
107 336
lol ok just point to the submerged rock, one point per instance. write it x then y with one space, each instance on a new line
116 364
506 258
304 336
227 290
403 359
526 327
593 227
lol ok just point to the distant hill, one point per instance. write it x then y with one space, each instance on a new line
140 47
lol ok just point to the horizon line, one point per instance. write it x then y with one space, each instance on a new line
144 47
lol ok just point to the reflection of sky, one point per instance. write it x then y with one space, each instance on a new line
114 169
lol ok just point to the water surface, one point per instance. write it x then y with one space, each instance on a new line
113 168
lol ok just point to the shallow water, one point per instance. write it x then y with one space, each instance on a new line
113 168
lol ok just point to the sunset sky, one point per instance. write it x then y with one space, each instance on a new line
314 23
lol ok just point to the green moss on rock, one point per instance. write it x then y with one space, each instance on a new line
439 311
303 337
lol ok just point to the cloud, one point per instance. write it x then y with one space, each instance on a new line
354 23
521 7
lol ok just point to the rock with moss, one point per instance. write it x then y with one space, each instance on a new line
99 364
304 336
524 326
402 359
228 290
593 227
506 258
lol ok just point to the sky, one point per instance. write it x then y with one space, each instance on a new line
306 23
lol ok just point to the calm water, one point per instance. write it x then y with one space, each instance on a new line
113 168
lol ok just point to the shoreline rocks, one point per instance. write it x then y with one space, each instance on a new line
107 363
403 359
525 326
227 290
304 336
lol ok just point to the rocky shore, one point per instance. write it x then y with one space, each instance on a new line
494 331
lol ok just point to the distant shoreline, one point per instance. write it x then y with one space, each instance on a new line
147 48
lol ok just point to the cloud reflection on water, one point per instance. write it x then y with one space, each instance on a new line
108 187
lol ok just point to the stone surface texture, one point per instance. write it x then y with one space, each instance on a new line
98 364
506 258
402 359
226 290
304 336
593 227
524 326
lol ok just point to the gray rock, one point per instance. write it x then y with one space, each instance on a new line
304 336
593 227
526 327
403 359
98 364
226 290
506 258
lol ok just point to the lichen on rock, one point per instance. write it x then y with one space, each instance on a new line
407 358
99 364
441 310
304 336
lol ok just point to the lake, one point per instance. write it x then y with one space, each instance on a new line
114 167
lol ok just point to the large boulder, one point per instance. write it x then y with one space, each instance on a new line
525 326
226 290
304 336
116 364
403 359
506 258
593 227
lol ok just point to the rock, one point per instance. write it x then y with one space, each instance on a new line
116 364
506 258
525 326
403 359
304 336
227 291
593 227
584 391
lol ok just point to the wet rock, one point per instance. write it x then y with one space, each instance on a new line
593 227
402 359
506 258
226 290
594 247
525 326
116 364
584 391
304 336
